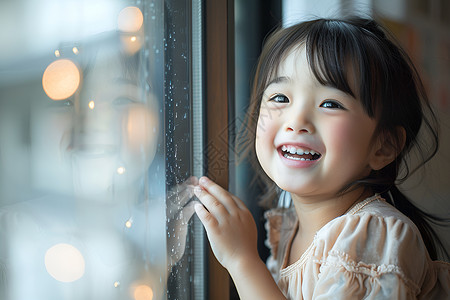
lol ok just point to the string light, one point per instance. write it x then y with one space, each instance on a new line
128 223
57 53
75 50
130 44
120 170
116 284
143 292
130 19
91 104
64 262
61 79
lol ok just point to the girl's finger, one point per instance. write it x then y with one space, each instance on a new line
219 193
193 180
239 203
211 203
205 216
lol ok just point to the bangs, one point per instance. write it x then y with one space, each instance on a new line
328 49
337 57
340 55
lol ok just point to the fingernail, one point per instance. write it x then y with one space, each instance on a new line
198 206
204 179
197 190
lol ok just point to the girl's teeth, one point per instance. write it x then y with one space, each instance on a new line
300 152
296 158
288 150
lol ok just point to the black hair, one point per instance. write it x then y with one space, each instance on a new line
388 86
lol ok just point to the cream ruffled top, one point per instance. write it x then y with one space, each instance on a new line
371 252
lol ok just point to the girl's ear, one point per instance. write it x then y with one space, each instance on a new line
387 147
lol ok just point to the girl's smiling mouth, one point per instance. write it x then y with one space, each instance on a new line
297 154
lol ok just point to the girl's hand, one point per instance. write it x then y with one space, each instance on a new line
232 234
180 209
229 224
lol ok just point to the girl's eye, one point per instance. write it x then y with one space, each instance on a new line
122 101
279 98
331 104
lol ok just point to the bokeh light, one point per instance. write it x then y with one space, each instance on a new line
91 104
139 129
128 223
64 262
120 170
130 19
143 292
130 45
61 79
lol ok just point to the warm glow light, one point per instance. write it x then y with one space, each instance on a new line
75 50
57 53
128 223
91 104
64 262
116 284
130 45
120 170
61 79
140 122
143 292
130 19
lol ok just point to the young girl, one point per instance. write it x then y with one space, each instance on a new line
338 107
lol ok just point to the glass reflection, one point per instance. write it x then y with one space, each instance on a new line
61 79
82 183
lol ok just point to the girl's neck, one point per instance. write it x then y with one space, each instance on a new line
314 213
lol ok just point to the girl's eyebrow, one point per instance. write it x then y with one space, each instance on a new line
123 80
280 79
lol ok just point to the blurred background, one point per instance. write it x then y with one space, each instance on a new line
102 123
88 113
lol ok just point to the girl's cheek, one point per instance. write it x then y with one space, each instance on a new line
259 129
350 136
260 143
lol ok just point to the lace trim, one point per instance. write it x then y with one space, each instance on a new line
372 270
299 263
360 205
286 270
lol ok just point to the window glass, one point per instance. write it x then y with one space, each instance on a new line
96 156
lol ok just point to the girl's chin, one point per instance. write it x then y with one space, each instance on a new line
295 189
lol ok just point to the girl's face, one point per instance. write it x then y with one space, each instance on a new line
312 140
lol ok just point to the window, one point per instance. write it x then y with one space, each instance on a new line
100 117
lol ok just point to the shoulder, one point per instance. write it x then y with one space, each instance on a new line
375 231
377 240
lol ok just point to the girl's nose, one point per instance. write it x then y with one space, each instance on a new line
300 123
302 130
